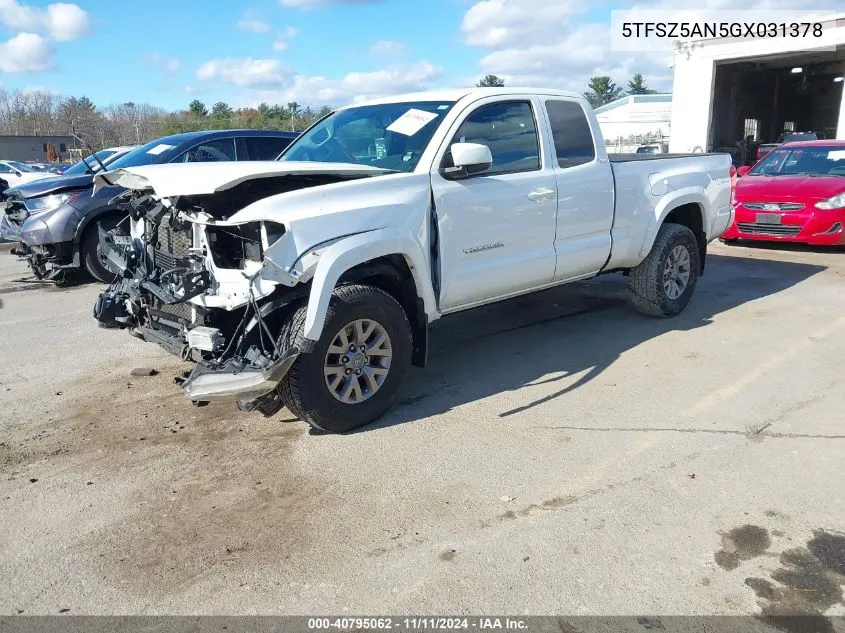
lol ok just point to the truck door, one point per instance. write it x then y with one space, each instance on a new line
585 190
497 227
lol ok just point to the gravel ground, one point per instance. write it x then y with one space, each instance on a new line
560 454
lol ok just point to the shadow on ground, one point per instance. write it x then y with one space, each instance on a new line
580 328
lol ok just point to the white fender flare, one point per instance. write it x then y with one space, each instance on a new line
357 249
671 201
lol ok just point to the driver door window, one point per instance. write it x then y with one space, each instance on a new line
221 149
509 131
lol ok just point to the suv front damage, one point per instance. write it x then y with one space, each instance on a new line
203 271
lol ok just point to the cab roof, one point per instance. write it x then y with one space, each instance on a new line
471 94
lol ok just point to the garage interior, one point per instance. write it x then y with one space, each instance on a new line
765 96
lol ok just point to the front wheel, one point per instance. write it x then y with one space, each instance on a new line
664 281
91 255
352 375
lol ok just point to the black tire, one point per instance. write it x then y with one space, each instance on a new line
304 390
89 250
730 242
646 280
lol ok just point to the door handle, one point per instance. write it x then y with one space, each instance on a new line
541 194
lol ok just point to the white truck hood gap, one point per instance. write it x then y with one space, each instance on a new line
192 179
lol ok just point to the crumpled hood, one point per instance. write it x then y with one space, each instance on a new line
46 186
193 179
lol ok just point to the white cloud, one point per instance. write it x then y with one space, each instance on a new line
61 21
254 26
67 22
280 86
248 72
283 42
167 65
387 47
25 53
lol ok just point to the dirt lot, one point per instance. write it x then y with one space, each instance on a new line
561 454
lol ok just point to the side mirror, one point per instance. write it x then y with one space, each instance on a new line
468 159
742 171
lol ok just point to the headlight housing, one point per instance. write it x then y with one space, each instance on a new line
47 203
836 202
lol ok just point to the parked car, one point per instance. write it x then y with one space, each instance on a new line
95 162
795 194
653 148
16 173
311 281
55 222
786 137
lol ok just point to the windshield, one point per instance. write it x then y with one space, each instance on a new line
81 168
796 136
21 166
388 135
647 150
158 151
802 161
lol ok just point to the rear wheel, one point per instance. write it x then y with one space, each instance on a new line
663 283
352 375
729 241
90 253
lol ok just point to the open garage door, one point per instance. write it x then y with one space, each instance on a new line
765 96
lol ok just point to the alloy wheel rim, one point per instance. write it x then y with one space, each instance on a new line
676 272
358 361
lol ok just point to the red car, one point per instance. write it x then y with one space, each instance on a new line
795 194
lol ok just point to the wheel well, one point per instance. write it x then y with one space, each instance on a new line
392 274
690 216
90 224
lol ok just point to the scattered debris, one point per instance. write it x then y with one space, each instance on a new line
448 555
507 499
691 475
33 480
143 371
65 610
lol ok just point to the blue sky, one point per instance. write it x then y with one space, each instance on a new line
312 51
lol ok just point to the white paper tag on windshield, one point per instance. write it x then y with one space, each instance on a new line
411 122
160 148
836 154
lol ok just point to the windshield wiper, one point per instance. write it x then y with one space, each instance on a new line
93 153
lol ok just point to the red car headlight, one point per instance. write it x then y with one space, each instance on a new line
836 202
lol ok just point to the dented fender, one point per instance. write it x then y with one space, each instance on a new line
358 249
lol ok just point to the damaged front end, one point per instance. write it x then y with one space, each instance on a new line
192 283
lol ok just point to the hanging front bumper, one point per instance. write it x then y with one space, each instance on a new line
207 385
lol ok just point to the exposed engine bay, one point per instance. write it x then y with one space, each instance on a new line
207 288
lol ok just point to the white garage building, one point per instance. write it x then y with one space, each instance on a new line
635 120
726 89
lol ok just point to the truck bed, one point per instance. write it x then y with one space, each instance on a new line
627 158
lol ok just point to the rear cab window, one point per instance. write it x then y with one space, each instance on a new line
573 138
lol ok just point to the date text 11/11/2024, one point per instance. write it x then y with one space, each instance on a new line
418 624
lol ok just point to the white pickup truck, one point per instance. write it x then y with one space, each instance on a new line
310 282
